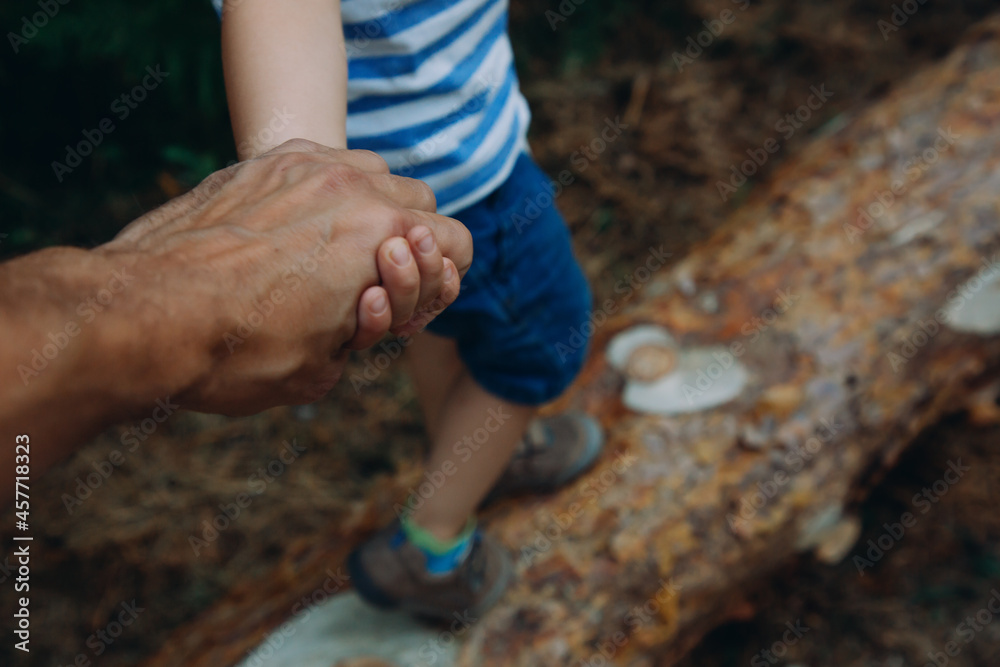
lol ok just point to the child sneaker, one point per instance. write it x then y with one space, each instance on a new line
391 572
555 451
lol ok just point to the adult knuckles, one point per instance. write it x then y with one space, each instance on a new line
462 248
428 201
336 177
377 220
397 220
377 164
283 161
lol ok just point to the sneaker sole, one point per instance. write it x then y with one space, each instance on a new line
364 586
368 591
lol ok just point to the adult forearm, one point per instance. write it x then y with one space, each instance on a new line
243 294
82 334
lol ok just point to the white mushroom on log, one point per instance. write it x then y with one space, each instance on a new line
975 306
665 378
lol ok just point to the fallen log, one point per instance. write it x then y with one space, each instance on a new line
764 384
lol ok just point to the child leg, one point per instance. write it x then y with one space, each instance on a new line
522 298
457 409
435 368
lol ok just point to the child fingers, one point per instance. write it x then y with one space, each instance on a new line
374 318
400 278
450 288
430 263
453 238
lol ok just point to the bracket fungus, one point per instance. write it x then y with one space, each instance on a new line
665 378
979 311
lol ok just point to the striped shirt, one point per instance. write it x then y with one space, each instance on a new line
432 89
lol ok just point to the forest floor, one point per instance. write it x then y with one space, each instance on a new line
656 183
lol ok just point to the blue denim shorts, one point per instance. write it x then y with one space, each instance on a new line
516 321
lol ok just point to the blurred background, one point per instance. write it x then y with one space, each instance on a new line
130 538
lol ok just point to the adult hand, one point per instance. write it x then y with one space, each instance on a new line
241 295
277 265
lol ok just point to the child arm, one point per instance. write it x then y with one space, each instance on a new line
286 73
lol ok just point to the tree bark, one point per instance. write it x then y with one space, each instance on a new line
655 555
838 323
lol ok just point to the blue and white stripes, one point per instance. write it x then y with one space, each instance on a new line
432 89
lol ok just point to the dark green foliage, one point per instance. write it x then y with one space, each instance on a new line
569 34
64 81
